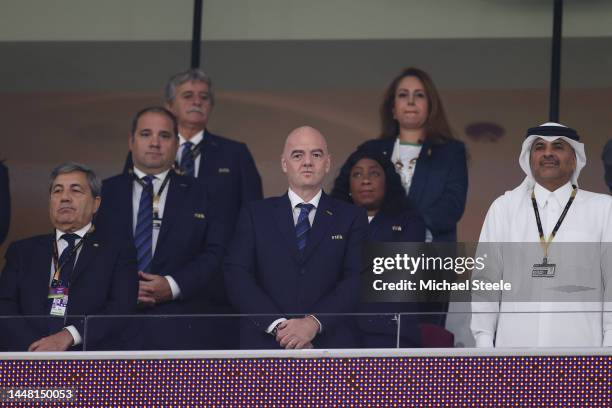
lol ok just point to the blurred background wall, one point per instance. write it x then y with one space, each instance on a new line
74 71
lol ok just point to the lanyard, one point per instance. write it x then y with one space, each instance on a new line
56 266
156 197
195 151
546 242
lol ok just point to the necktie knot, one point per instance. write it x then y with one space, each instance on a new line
148 179
187 145
305 208
70 239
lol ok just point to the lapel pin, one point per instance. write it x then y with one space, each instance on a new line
338 236
199 215
396 227
429 151
96 244
329 212
224 170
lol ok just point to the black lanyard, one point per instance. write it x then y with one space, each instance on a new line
56 266
544 242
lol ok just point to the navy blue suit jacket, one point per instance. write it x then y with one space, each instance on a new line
439 184
228 172
380 331
5 202
189 248
265 273
103 282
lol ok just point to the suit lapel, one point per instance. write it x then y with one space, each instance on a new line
177 195
283 214
323 220
421 173
207 154
88 253
41 272
125 208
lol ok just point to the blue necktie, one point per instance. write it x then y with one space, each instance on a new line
66 259
143 236
66 262
187 161
302 227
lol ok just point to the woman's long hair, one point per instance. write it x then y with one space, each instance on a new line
395 200
437 129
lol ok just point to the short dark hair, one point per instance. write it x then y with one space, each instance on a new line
95 185
154 109
395 200
437 129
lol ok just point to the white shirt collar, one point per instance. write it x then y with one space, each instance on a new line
140 174
296 199
562 194
81 233
197 138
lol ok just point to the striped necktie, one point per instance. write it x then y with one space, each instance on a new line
143 236
187 161
302 227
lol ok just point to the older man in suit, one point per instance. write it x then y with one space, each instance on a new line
225 167
296 258
177 237
74 271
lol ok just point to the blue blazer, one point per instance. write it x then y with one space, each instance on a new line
189 248
5 203
265 273
380 331
228 172
103 282
439 184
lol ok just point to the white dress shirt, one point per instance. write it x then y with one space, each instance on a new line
295 200
576 315
136 193
197 138
61 246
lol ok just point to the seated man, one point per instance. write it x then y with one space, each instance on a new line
298 254
550 241
74 271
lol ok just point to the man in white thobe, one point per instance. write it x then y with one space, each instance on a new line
551 241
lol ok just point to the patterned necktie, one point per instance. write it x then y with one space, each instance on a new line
143 236
66 263
187 161
66 259
302 227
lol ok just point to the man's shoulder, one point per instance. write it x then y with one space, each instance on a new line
115 180
32 241
224 142
591 196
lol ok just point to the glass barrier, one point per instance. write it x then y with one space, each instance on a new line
40 333
528 326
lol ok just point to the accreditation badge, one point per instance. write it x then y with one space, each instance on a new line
57 292
59 305
543 270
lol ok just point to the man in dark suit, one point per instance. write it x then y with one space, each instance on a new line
5 202
73 272
298 254
177 237
225 167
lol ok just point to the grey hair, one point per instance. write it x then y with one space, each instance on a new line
95 185
191 75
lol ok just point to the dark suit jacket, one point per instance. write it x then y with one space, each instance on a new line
265 273
229 174
439 184
5 203
189 248
379 330
103 282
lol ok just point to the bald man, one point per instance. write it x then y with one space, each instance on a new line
295 259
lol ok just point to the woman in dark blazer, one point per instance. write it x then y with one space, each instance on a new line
368 179
417 139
